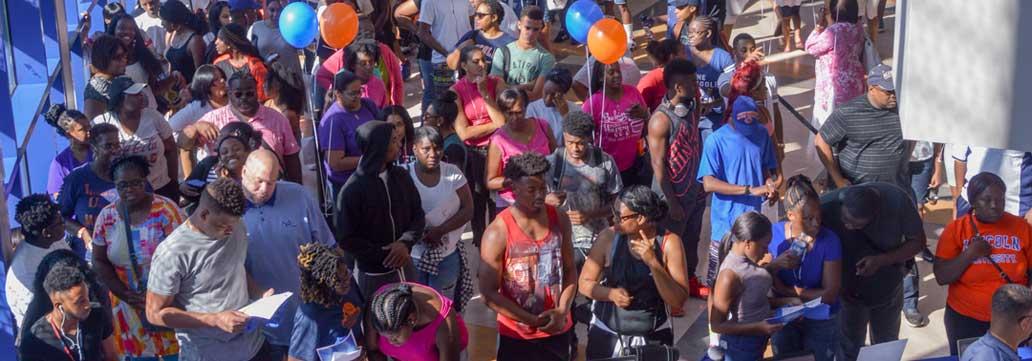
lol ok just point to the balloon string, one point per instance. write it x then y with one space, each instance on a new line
602 111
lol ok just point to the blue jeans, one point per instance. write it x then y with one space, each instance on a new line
426 73
819 337
447 275
743 348
920 177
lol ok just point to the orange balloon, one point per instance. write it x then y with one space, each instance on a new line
607 41
339 25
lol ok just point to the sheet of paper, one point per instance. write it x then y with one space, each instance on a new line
344 349
266 307
886 351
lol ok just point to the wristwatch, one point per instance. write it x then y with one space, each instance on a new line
746 190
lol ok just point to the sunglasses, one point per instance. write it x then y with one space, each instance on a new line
242 94
480 15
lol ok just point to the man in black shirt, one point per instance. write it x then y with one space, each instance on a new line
880 231
67 332
861 142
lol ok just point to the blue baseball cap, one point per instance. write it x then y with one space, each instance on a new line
683 3
882 77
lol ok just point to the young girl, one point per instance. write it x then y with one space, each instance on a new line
740 305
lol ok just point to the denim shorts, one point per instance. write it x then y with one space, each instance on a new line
447 275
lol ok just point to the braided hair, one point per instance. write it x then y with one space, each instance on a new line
319 273
714 27
800 190
392 308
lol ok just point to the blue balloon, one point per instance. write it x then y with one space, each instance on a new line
299 24
580 17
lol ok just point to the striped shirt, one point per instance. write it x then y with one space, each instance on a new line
869 143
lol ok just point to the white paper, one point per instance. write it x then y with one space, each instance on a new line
886 351
344 349
267 306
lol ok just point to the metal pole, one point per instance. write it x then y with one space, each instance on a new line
7 246
327 202
798 116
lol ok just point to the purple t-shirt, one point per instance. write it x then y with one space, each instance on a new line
337 132
60 167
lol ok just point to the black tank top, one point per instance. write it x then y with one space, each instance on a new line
634 276
181 60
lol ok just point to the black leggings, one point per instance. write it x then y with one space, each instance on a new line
959 327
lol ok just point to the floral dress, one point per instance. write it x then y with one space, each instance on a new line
838 70
131 338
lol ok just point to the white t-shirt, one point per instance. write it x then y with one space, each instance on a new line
448 20
440 203
1008 164
628 70
510 24
147 141
538 109
152 27
22 275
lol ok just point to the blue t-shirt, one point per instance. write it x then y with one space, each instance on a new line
731 157
485 44
82 196
316 326
810 274
708 77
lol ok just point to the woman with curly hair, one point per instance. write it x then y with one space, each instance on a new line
409 321
330 308
123 263
74 126
43 228
634 272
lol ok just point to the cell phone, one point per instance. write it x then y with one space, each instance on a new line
798 247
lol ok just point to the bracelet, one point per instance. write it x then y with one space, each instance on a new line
746 190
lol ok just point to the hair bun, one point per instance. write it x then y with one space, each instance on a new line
448 96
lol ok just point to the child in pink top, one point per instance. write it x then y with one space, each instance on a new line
406 318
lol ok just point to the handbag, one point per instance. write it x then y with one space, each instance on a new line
134 270
637 322
871 57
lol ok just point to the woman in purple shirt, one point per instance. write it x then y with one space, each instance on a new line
818 274
74 126
338 125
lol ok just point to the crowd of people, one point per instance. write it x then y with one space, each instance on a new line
179 199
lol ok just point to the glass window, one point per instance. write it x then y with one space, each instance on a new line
5 28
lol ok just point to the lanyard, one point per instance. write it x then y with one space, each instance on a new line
978 235
61 337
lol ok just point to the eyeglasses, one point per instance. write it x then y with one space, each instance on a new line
625 217
136 183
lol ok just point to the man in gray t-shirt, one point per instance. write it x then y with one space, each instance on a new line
197 280
584 184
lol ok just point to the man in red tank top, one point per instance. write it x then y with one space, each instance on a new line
528 275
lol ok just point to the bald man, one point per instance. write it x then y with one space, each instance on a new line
280 217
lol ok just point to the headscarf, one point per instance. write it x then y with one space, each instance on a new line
745 108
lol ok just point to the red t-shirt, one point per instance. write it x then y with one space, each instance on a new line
972 294
652 88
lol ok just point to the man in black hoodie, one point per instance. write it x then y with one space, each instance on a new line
379 215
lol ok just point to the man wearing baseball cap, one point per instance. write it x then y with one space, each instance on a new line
867 133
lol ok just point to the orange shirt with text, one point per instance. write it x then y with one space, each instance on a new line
971 295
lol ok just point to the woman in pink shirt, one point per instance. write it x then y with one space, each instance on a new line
620 115
478 118
518 136
412 322
838 71
362 59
